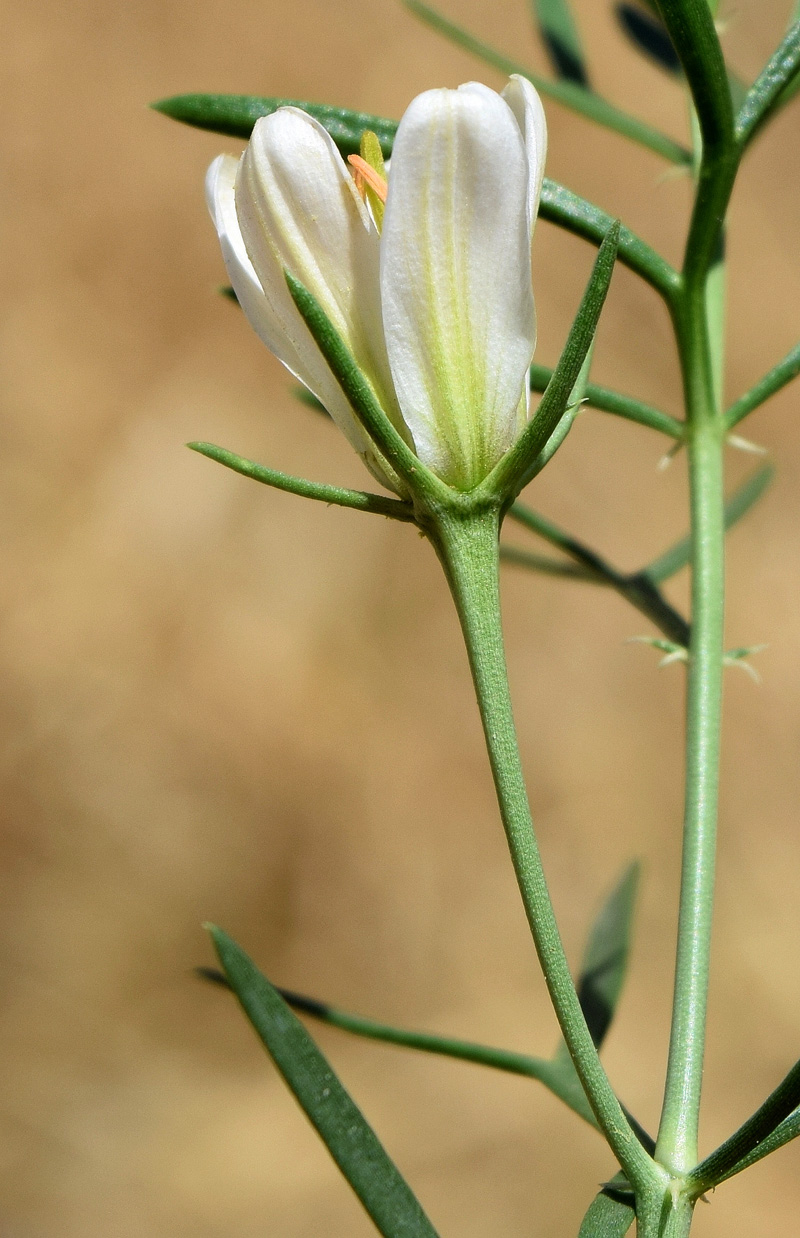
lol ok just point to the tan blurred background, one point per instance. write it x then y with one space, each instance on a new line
224 703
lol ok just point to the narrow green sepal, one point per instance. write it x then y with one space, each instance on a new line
394 449
349 1138
360 500
235 116
518 464
559 32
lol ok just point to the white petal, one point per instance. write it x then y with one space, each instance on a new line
456 278
299 209
524 101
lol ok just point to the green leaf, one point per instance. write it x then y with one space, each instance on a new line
609 1216
778 82
649 35
726 1160
605 960
560 36
569 94
549 1073
235 115
769 385
563 207
788 1130
340 1124
614 402
360 500
740 502
516 467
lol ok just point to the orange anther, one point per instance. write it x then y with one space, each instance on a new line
364 173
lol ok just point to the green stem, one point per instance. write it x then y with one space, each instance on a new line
468 548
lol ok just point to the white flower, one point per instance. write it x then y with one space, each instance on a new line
436 308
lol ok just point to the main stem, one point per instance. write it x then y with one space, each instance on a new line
468 548
677 1137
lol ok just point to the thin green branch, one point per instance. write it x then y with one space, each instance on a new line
614 402
740 502
360 500
781 374
546 566
569 94
769 90
574 214
635 588
751 1134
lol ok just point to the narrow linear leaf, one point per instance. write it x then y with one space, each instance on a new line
360 500
569 94
235 116
740 502
788 1130
567 1088
547 566
649 35
778 1106
609 1216
781 374
778 82
349 1138
513 471
605 960
560 36
614 402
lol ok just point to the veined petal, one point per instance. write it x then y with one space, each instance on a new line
456 279
524 101
299 210
273 315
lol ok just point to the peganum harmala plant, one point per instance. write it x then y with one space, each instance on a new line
402 300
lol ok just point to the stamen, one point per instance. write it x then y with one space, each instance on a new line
365 175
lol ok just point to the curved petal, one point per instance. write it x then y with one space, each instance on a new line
456 279
274 317
523 99
298 209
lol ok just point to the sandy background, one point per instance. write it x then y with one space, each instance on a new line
224 703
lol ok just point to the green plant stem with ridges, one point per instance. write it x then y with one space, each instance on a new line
468 548
692 31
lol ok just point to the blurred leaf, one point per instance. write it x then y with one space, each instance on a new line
605 958
560 36
568 93
350 1140
649 35
235 115
737 505
609 1216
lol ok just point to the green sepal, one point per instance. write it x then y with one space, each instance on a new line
360 500
778 82
340 1124
739 503
519 463
610 1216
372 417
235 116
559 32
